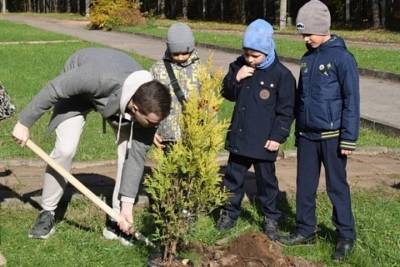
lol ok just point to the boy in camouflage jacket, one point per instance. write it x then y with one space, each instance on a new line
185 62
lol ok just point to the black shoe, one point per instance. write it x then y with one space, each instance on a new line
344 246
112 232
44 226
270 228
225 222
296 239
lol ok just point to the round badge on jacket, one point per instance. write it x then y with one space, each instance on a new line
264 94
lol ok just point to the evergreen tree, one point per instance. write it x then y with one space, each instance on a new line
186 183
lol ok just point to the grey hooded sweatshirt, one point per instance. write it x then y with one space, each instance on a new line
95 79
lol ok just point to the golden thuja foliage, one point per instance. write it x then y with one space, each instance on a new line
186 183
106 14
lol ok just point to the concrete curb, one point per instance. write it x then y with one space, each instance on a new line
363 151
221 159
384 127
41 163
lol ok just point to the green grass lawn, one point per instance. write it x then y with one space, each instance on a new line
78 240
368 58
27 68
10 31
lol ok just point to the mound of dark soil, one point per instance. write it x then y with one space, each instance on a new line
248 250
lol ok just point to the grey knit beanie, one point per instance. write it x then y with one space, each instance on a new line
313 18
180 38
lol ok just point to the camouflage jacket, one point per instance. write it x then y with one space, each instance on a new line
187 77
7 109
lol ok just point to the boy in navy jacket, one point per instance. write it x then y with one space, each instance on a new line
327 123
263 90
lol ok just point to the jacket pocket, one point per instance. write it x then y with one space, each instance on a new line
319 116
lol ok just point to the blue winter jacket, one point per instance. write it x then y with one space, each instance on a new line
328 99
264 109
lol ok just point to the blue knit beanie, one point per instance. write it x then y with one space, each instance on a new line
259 37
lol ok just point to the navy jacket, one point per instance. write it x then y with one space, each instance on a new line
328 99
264 109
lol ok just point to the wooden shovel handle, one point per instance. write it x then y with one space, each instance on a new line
72 180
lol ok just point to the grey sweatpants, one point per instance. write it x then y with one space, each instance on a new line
68 134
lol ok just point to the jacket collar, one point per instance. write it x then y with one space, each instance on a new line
192 59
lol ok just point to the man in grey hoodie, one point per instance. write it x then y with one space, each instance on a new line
113 84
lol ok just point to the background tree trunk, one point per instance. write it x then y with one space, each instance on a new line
264 9
347 16
383 13
87 8
185 8
243 11
3 6
173 8
222 9
282 14
376 22
68 6
29 8
204 8
161 6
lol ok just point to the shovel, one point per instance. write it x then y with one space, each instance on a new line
83 189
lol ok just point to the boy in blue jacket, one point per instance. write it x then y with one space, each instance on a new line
327 123
263 90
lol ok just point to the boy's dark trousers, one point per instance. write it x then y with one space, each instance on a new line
267 185
310 154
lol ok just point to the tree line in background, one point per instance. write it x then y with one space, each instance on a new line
351 13
48 6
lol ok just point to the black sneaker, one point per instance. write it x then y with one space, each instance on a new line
296 239
112 232
44 225
344 247
270 228
225 222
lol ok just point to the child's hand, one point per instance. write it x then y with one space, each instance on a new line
157 141
244 72
345 152
272 145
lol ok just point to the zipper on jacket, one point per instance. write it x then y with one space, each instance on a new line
330 115
313 69
307 99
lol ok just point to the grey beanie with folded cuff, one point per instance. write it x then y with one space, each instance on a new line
313 18
180 38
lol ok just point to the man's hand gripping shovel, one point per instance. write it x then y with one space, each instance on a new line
84 190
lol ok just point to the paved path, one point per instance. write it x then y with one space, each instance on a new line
23 183
380 99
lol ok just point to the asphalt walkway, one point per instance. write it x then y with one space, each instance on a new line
21 181
380 98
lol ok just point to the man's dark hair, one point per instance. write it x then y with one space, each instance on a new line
153 97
